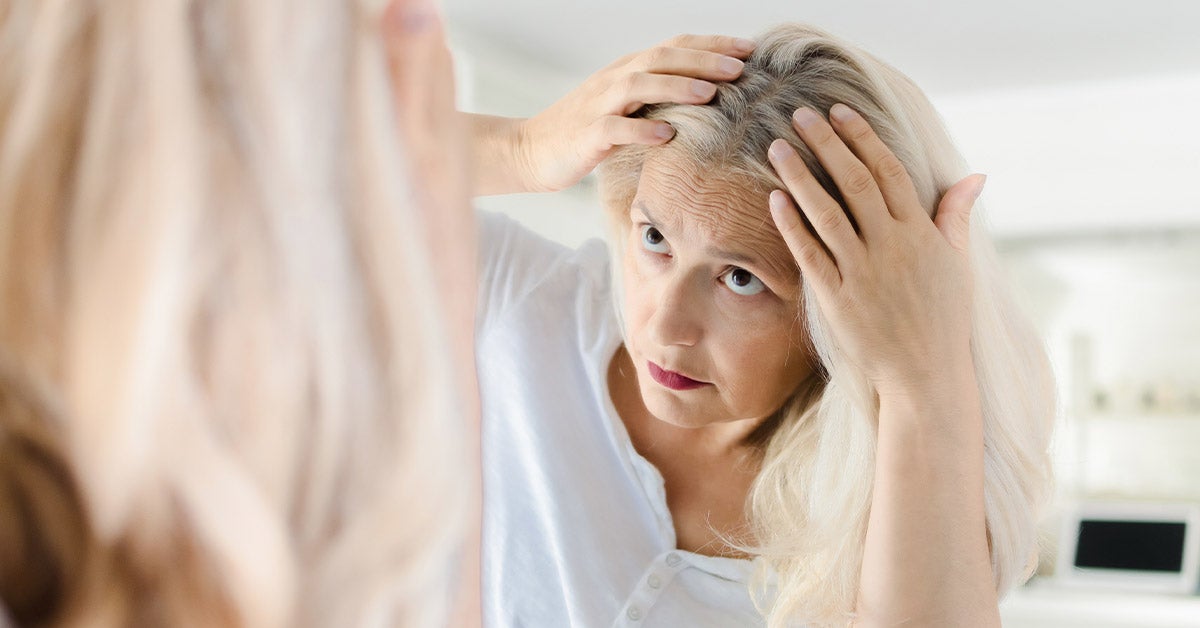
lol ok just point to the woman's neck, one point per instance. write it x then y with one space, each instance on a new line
707 472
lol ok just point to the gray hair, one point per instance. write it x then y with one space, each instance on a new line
809 524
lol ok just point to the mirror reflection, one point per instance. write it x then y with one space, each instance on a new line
1093 223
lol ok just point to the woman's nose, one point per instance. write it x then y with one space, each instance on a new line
675 317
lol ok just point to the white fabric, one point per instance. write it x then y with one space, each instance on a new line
576 530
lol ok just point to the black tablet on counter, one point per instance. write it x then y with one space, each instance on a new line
1133 546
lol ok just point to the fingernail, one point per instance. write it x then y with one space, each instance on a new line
412 16
664 131
982 178
805 117
779 150
703 89
729 65
745 45
841 113
777 201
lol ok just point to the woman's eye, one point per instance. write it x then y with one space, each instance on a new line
653 240
743 282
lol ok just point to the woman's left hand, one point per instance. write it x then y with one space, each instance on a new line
897 292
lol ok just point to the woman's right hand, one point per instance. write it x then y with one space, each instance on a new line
556 148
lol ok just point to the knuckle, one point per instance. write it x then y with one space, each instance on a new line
608 126
822 136
792 226
859 131
858 181
623 60
793 170
711 61
600 130
811 254
629 83
891 168
678 40
656 56
828 220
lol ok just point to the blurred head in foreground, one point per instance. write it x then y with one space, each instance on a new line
223 402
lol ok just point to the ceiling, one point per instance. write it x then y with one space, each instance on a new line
945 46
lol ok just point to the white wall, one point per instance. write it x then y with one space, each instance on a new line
1091 156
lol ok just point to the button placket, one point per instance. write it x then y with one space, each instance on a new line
652 585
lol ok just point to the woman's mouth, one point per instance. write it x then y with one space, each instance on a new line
673 380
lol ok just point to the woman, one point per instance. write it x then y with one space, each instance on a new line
221 402
816 402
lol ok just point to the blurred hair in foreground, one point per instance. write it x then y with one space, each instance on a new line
213 409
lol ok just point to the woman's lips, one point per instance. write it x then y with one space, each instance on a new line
673 380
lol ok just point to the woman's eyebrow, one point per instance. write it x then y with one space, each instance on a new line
775 268
733 256
769 261
640 206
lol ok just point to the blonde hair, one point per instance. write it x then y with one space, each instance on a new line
203 220
807 514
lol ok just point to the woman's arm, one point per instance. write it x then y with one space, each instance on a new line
897 295
494 154
926 556
556 148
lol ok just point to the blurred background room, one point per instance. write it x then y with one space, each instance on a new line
1084 115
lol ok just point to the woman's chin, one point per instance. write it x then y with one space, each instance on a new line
686 409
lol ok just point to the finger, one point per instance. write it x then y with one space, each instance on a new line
826 215
703 64
953 217
640 88
899 193
611 131
421 73
814 261
732 46
419 65
852 178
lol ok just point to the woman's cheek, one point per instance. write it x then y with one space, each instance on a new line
754 312
635 305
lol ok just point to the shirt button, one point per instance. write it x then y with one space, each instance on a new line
654 581
673 559
634 613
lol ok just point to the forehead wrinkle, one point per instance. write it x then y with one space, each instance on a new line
755 235
727 216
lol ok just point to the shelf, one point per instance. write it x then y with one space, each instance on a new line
1046 604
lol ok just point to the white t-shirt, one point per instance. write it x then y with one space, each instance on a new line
576 530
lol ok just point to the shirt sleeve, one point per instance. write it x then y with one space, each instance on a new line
513 261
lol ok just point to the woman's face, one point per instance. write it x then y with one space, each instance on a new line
711 294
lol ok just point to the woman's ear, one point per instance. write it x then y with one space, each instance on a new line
44 536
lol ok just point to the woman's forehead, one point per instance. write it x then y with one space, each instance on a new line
689 200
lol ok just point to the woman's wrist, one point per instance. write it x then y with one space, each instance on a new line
945 396
498 155
938 370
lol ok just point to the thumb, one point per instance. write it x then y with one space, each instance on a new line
953 216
